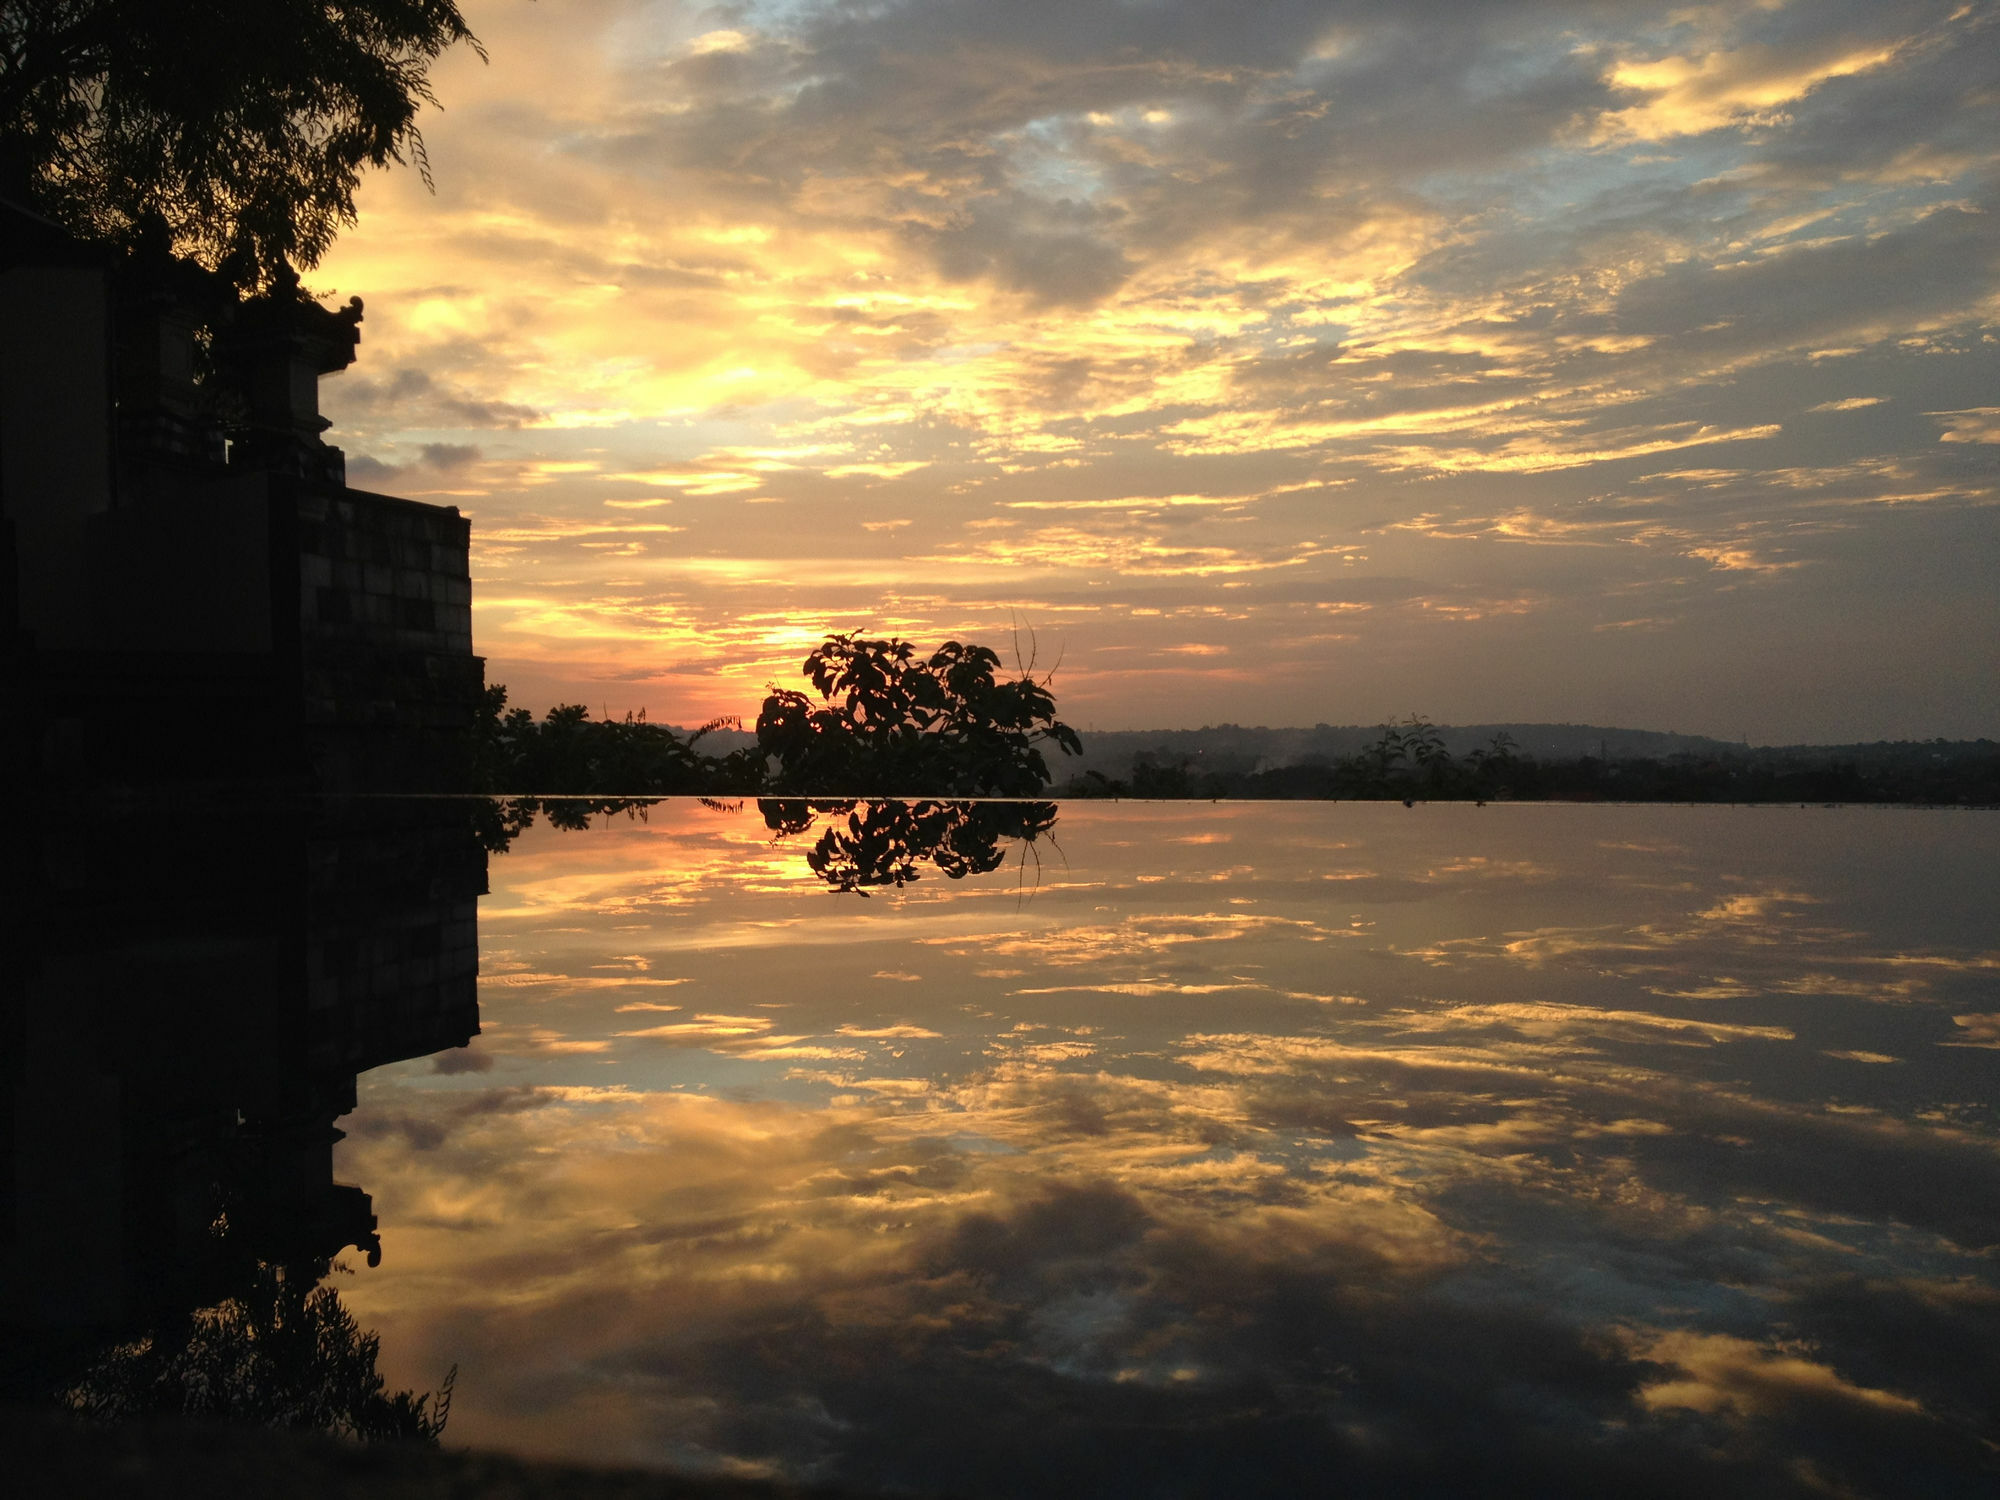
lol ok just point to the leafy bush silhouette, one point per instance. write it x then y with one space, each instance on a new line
281 1352
237 129
890 722
1409 760
569 754
868 844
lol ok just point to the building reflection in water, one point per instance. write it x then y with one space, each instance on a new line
198 987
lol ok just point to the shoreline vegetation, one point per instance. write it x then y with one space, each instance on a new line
885 719
888 722
1411 762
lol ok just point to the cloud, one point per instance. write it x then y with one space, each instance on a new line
1345 269
1714 1372
462 1060
434 463
412 397
1980 1031
1980 424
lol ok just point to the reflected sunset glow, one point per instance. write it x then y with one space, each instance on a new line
1295 1131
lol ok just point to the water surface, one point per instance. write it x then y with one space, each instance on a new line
1223 1149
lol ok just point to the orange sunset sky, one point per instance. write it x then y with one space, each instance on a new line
1278 363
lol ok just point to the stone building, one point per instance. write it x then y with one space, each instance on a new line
189 590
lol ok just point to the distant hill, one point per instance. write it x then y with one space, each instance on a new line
718 741
1240 747
1237 748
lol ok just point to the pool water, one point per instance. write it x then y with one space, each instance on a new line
1221 1148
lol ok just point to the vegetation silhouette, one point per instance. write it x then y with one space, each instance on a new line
238 128
569 754
891 722
863 843
1409 761
887 722
866 844
281 1352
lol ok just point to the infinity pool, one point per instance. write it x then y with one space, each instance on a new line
1222 1149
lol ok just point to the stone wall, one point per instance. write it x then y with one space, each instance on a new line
389 683
392 943
188 591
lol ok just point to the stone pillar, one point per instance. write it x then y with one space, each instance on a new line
278 345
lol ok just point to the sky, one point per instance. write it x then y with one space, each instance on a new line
1270 363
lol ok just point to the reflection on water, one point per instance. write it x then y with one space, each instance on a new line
194 988
1222 1149
860 844
863 844
1260 1148
278 1351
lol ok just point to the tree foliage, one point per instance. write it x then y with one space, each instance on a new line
887 722
891 722
243 126
570 754
864 844
282 1352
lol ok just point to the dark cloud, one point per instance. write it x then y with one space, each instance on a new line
467 1059
447 455
1055 267
1938 270
1939 1339
432 1129
1068 1223
413 398
365 472
433 459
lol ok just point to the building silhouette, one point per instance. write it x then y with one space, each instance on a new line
189 589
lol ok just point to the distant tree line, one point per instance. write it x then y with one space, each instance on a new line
884 721
1409 761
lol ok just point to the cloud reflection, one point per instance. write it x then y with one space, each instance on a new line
1584 1219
